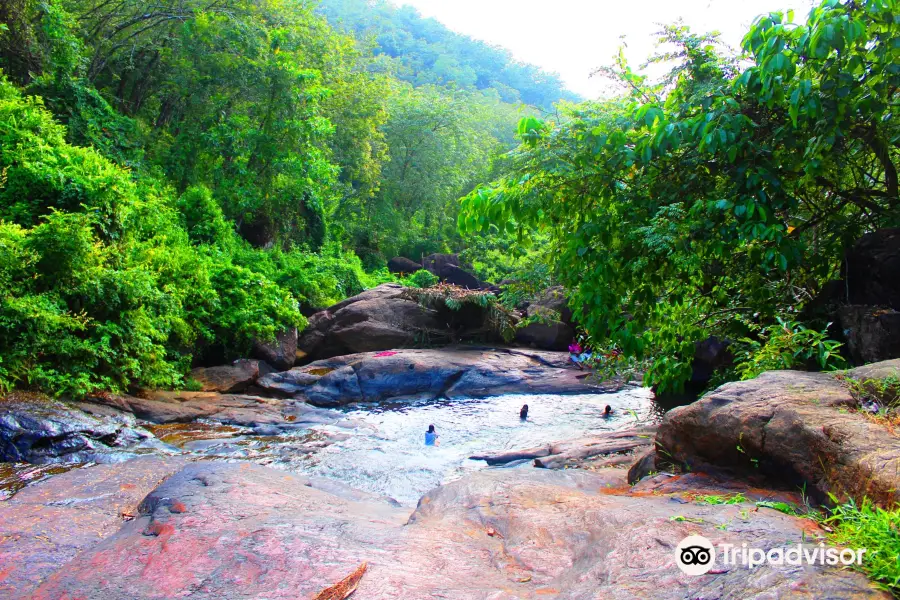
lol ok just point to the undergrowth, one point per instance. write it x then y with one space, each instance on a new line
876 529
500 320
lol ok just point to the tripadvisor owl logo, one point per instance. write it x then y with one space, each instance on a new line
695 555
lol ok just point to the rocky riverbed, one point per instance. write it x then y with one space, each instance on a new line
576 507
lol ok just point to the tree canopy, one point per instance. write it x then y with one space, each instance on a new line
721 199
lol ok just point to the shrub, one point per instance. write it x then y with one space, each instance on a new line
788 345
421 279
106 283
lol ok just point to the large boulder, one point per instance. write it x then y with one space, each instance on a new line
436 263
37 429
236 377
217 530
459 277
795 426
872 334
871 270
403 266
448 269
281 352
378 319
391 316
433 374
552 327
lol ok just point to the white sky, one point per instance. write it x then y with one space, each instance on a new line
574 37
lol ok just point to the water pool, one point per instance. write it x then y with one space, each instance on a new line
385 453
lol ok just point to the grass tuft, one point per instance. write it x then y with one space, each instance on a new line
876 529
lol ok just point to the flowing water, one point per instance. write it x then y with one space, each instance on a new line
386 453
381 449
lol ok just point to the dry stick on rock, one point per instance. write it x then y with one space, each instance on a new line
345 587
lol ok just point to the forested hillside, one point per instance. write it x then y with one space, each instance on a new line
182 179
429 53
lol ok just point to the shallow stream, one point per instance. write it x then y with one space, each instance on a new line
386 453
381 449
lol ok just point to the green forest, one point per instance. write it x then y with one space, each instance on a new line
181 178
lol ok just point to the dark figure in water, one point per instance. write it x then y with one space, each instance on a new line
523 414
607 412
431 437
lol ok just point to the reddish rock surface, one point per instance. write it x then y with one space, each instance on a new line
794 426
217 530
46 525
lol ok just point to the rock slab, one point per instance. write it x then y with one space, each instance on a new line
218 530
37 429
794 426
422 374
45 526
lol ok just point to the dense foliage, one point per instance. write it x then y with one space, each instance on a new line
722 198
178 181
181 180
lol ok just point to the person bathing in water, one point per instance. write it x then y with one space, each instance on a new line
523 414
607 412
431 437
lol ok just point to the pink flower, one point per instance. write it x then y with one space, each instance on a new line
575 348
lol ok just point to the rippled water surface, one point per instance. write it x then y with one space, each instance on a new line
386 453
381 449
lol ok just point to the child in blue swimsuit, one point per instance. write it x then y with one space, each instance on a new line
431 437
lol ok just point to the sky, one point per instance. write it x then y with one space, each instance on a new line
575 37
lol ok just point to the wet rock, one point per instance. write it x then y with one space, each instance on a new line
446 373
217 530
603 450
233 378
793 426
281 353
229 409
46 525
403 266
872 334
37 429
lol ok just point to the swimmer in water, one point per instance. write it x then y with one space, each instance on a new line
607 412
523 414
431 437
